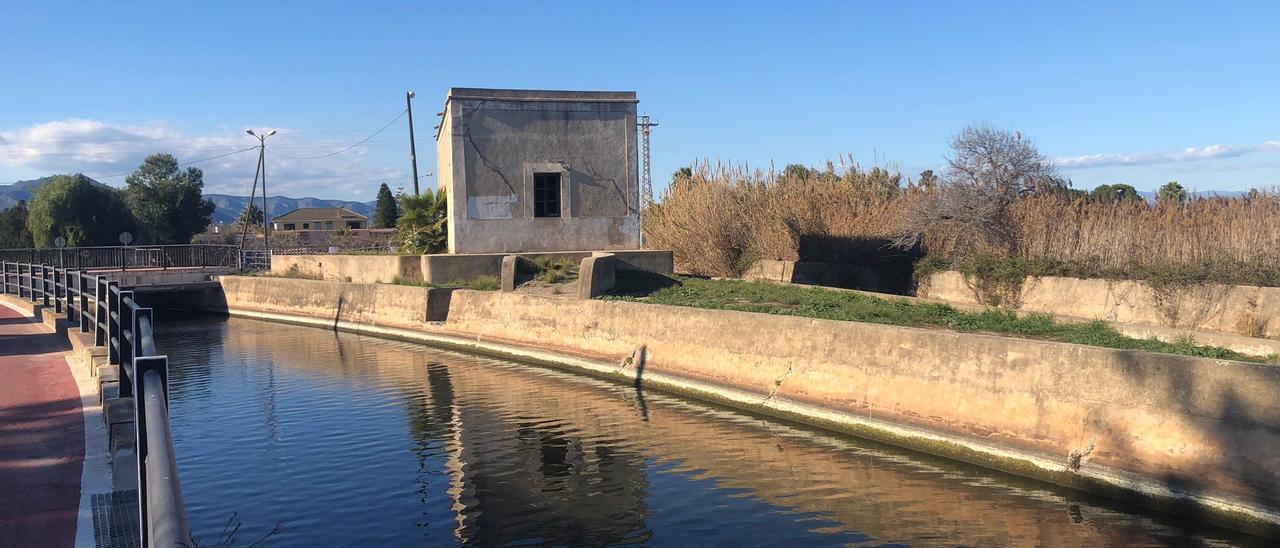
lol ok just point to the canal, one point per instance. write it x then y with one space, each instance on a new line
313 438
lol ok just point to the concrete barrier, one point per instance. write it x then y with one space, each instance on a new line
1188 435
597 275
350 268
1235 309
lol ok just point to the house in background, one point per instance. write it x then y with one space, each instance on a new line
319 219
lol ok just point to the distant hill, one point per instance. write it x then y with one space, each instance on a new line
227 207
11 194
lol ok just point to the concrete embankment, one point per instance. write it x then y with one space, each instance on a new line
1236 309
1187 435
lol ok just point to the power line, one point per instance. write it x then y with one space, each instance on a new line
335 153
183 164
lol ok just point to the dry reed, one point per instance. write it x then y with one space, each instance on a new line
722 218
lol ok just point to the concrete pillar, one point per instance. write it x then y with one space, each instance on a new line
597 275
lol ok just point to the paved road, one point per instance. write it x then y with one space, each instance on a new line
41 436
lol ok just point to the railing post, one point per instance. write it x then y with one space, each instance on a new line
38 272
84 301
99 308
113 324
57 293
128 335
4 277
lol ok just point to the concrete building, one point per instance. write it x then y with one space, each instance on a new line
319 218
529 171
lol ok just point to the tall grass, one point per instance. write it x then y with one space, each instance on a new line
720 219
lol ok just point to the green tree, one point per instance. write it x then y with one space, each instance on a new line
1118 192
423 225
797 172
79 210
1171 193
168 202
251 215
386 212
928 179
13 227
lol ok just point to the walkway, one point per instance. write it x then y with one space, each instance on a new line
41 436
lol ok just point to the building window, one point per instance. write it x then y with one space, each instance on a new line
288 226
306 226
546 194
328 225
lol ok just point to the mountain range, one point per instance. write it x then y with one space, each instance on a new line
227 207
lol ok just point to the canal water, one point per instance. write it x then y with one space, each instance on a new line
307 437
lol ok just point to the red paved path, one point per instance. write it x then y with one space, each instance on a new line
41 436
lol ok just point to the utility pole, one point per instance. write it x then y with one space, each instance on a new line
646 181
413 151
262 168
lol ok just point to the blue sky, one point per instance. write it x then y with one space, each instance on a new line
1140 93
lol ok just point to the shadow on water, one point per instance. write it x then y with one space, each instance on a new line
392 443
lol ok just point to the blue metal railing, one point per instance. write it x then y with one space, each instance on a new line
126 329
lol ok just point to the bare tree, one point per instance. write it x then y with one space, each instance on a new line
967 214
1000 162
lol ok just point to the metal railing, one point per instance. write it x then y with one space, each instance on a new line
94 304
127 257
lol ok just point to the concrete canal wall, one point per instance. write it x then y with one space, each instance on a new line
1188 435
1235 309
442 268
375 304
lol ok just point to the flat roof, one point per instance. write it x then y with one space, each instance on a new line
543 95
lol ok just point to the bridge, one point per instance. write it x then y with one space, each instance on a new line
144 269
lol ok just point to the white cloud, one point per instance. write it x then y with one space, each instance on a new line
1188 154
106 150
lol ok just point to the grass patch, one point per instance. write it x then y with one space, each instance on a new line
481 283
551 272
770 298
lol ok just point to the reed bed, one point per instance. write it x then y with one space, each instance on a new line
719 219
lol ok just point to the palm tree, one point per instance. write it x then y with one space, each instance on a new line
423 226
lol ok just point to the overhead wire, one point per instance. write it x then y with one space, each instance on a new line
337 152
185 164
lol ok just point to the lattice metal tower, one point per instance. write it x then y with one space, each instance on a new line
646 181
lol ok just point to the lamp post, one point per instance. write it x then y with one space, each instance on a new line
262 167
413 152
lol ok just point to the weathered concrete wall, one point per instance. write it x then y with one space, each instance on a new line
130 278
1187 434
442 268
381 304
490 144
350 268
1241 310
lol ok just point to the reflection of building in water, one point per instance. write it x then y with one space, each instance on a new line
502 468
556 459
584 491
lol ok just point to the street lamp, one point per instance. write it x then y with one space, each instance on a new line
262 167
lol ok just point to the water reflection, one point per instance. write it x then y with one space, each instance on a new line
351 440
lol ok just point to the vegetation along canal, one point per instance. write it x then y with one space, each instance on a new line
309 437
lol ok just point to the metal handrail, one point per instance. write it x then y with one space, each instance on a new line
126 257
126 330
